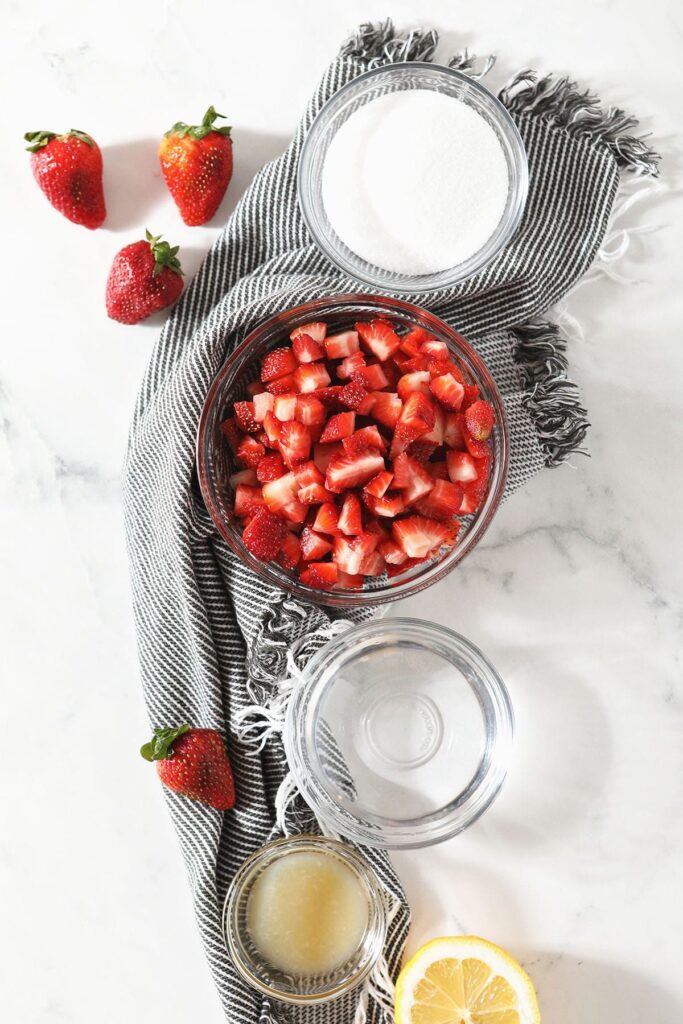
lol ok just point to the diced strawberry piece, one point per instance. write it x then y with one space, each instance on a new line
366 437
277 363
349 552
378 530
255 387
442 502
283 385
411 477
419 535
379 338
372 377
417 418
330 396
247 500
339 426
231 432
338 346
453 433
250 452
345 471
280 492
263 438
321 575
479 420
438 367
448 391
350 365
471 395
289 554
313 546
308 473
390 506
422 450
314 494
434 349
244 414
311 377
418 364
323 455
379 485
372 565
271 467
316 330
399 570
478 487
439 470
350 521
272 427
366 406
412 342
348 582
264 534
409 382
295 511
306 349
295 442
243 476
462 468
386 408
477 449
263 403
284 407
470 501
310 410
391 552
327 519
353 394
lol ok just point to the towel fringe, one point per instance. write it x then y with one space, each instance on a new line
471 65
551 399
379 44
560 101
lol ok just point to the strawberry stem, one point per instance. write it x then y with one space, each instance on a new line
165 255
160 746
200 131
40 139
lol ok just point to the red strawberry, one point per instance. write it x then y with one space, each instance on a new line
413 479
471 395
448 391
348 582
193 762
387 408
308 473
366 437
306 349
434 349
313 494
390 506
349 552
477 449
350 522
282 385
284 407
391 552
323 455
345 471
295 512
379 338
263 403
419 535
247 500
272 428
353 394
372 564
271 467
320 575
313 546
196 161
329 396
278 363
327 519
339 346
294 443
145 277
417 418
231 432
339 426
311 377
255 387
243 476
351 365
411 343
479 420
462 468
372 377
280 492
264 534
310 410
399 570
316 331
68 169
453 433
289 554
409 382
439 367
443 501
246 420
379 485
250 452
366 406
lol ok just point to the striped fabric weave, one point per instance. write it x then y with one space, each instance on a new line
213 639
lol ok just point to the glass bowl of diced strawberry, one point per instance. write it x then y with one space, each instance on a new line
353 450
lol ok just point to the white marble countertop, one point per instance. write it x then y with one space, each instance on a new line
575 593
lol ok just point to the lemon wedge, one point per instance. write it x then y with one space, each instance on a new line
464 980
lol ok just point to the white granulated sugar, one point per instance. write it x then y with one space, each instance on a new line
415 182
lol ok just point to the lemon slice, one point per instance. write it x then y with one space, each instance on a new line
464 980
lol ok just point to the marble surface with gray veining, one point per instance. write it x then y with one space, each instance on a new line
575 594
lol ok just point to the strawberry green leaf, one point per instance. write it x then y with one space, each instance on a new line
200 131
164 255
38 140
160 746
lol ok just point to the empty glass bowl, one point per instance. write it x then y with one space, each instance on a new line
366 88
214 459
400 735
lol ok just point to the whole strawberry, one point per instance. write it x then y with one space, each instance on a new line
145 276
196 161
68 169
193 762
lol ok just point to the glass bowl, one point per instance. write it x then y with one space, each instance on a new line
271 980
366 88
400 735
214 459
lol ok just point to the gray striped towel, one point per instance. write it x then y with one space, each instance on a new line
214 641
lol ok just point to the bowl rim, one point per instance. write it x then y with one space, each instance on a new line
405 284
383 594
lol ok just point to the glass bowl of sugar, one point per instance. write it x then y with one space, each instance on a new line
412 177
